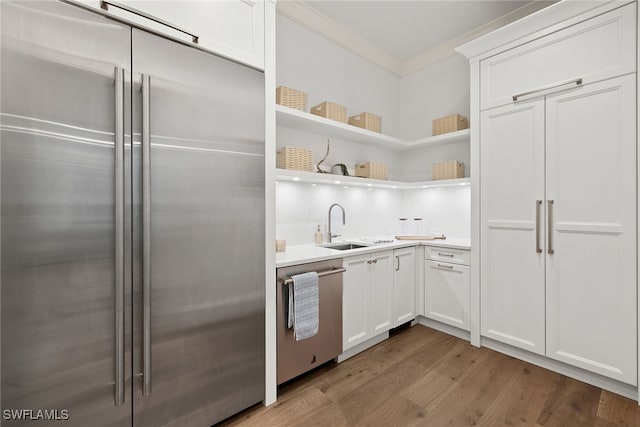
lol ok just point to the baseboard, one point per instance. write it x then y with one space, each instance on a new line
362 347
604 383
447 329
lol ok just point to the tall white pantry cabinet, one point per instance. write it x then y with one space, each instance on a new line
554 191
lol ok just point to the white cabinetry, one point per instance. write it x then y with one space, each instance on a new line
231 28
447 286
367 302
404 286
558 190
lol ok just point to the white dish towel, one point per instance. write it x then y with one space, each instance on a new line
304 305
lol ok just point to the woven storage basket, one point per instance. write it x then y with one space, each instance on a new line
447 170
294 158
448 124
372 170
367 121
331 110
292 98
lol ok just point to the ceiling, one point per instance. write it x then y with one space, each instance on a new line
405 29
404 36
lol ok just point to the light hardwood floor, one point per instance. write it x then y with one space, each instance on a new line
421 377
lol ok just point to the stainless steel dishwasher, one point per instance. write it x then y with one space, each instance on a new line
297 357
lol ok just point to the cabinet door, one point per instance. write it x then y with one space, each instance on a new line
591 274
355 301
231 28
447 293
381 290
404 285
512 263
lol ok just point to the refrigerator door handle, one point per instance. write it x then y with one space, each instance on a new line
146 237
118 390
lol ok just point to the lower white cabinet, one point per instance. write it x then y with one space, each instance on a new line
367 297
404 286
447 284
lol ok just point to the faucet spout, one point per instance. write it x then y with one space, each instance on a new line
331 235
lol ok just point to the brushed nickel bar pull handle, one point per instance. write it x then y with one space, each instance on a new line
450 267
398 259
538 205
576 81
289 281
550 227
447 255
105 6
146 236
118 389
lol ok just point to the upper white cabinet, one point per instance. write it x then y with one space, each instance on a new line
231 28
593 50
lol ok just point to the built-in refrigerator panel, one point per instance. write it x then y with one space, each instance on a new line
60 101
201 118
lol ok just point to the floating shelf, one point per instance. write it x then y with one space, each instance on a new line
329 179
295 119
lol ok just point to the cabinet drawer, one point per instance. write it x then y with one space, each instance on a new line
447 293
596 49
454 256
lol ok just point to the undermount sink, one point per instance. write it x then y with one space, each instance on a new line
345 246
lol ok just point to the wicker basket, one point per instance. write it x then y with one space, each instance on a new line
367 121
372 170
291 98
331 110
294 158
447 170
448 124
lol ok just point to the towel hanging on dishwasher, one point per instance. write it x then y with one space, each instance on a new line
303 314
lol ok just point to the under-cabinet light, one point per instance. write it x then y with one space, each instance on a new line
295 178
337 182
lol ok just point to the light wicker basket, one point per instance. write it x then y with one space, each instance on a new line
331 110
448 124
294 158
367 121
292 98
372 170
447 170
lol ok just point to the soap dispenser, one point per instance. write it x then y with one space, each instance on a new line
319 236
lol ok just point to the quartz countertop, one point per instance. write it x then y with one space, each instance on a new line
301 254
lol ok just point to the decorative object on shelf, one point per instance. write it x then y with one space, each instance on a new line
447 170
372 170
367 121
294 158
292 98
331 110
340 169
450 123
324 158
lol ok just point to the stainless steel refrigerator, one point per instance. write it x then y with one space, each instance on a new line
132 224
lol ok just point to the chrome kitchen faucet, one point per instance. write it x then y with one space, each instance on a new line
343 221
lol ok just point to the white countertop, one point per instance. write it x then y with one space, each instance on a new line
301 254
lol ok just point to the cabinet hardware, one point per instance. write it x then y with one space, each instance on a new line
118 390
398 267
104 5
576 81
375 261
450 267
146 236
448 255
550 227
369 262
538 205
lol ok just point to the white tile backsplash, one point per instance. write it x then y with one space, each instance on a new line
300 207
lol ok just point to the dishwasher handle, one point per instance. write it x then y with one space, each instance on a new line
320 274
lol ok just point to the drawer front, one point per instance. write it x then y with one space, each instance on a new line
593 50
454 256
447 293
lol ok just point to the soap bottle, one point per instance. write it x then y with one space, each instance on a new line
318 236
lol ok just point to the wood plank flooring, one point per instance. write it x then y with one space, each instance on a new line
422 377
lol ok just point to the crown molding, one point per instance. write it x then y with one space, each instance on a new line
320 23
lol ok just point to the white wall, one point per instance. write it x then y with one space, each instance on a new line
300 207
